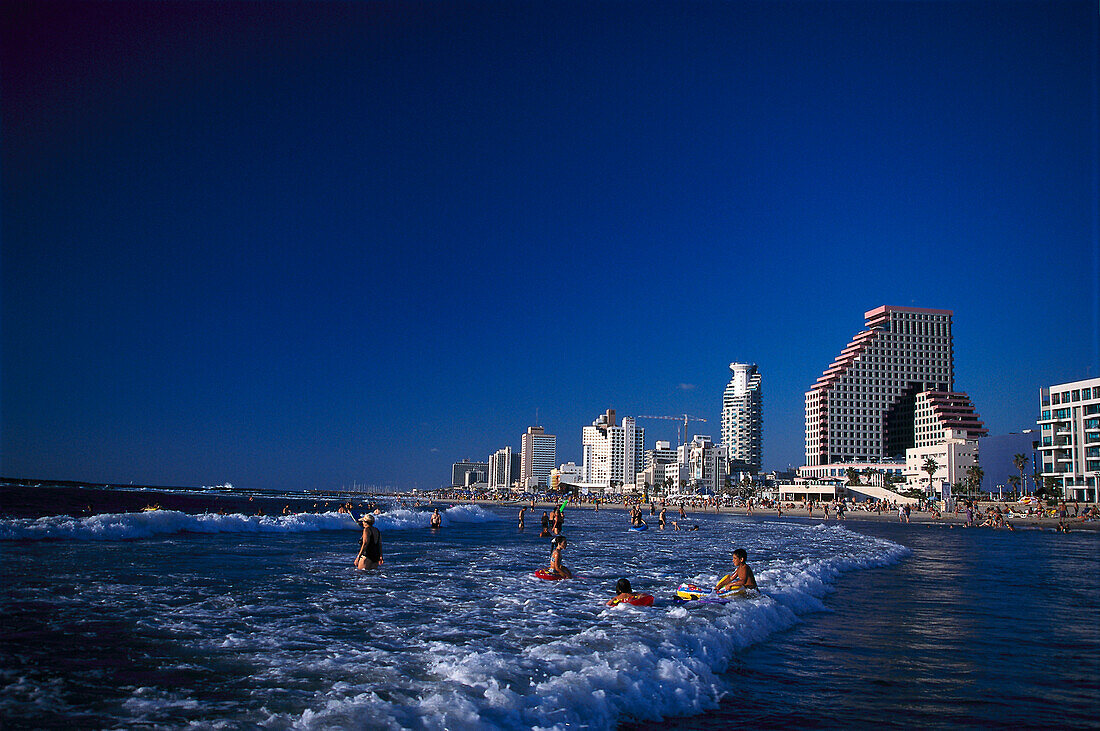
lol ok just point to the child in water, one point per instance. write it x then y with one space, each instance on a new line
742 576
556 566
624 592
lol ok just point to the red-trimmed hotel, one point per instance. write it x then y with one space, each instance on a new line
891 389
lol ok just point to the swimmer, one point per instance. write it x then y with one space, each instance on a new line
742 576
437 519
623 592
556 566
661 519
370 549
521 512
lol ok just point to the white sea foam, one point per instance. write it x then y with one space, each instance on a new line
133 526
452 632
639 665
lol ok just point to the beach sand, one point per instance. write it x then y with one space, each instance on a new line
851 516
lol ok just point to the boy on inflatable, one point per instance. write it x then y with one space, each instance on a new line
741 578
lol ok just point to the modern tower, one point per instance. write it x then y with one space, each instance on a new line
538 452
743 418
612 454
891 389
504 468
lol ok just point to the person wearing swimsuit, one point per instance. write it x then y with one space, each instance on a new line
370 548
556 566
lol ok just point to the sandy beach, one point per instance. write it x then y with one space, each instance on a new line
851 516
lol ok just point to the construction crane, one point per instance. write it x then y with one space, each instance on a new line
682 417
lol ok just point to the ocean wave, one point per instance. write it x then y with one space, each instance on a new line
147 524
636 664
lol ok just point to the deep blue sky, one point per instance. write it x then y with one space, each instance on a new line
305 245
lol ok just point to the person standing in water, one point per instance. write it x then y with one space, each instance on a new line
521 512
742 576
370 548
437 519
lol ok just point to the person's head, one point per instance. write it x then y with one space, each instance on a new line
622 586
368 520
740 556
559 541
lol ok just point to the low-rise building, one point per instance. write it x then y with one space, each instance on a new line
954 454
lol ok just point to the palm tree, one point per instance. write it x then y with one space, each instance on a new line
930 466
1020 461
852 475
974 476
1014 483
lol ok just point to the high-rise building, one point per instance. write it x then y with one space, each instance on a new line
891 389
504 468
1069 443
612 453
538 452
743 418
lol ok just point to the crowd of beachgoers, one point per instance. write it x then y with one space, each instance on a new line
1061 515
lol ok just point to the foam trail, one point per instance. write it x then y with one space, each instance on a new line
625 664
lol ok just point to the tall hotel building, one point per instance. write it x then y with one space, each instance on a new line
1069 446
612 454
743 418
891 389
538 452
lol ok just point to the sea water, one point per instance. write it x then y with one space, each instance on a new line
166 619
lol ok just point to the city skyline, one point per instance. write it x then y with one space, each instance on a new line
301 246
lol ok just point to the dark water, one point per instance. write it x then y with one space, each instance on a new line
158 624
977 628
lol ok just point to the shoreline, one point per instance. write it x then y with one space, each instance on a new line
853 516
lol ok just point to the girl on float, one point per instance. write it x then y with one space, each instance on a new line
556 566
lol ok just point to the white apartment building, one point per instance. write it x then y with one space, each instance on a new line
662 470
503 468
1069 444
705 462
538 452
864 407
612 453
743 417
569 473
954 453
662 453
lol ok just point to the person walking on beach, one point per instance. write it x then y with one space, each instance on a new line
370 548
741 577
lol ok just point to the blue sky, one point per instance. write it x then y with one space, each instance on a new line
304 245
